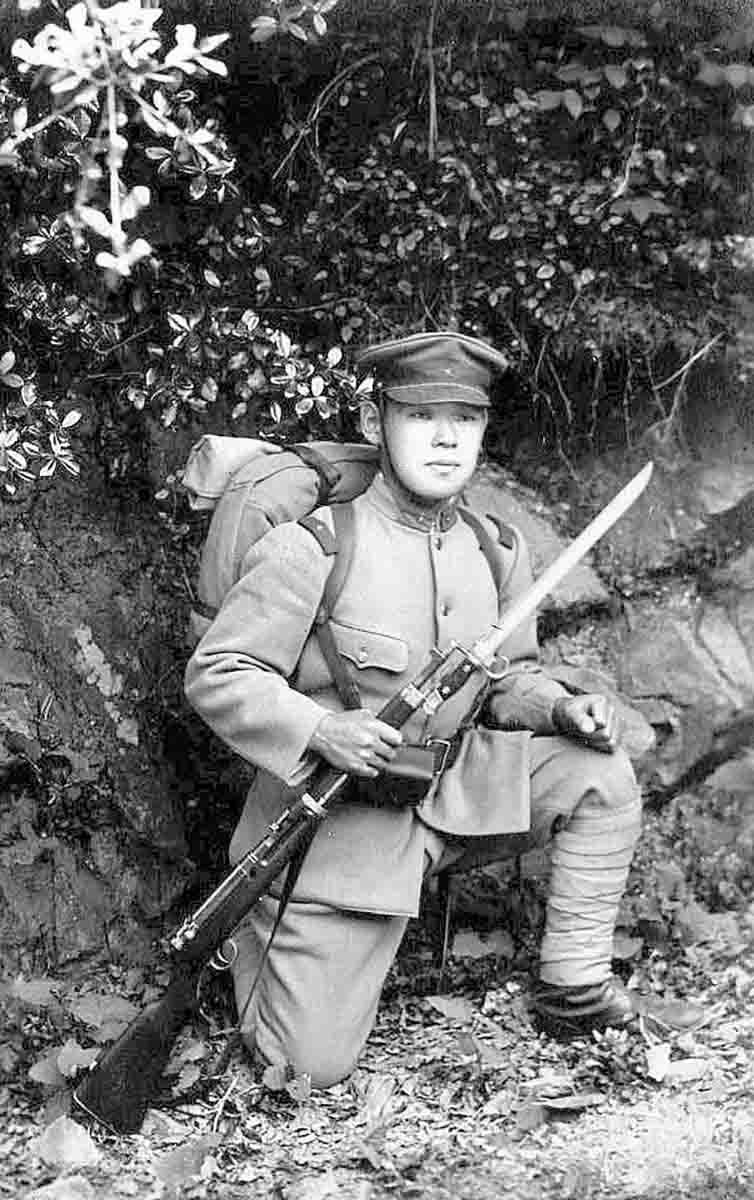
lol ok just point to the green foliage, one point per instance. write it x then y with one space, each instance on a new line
34 440
579 196
575 198
284 17
68 172
99 70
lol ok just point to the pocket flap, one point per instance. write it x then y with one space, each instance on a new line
366 648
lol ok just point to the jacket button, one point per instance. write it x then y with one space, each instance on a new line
363 655
445 609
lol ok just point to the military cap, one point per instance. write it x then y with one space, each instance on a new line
432 368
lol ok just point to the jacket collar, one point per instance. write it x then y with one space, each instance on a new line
437 519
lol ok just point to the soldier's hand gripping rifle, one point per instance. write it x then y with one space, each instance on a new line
118 1087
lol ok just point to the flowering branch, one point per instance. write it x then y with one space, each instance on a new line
105 59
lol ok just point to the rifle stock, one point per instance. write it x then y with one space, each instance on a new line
117 1091
117 1088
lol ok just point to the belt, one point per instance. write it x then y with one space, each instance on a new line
424 760
406 781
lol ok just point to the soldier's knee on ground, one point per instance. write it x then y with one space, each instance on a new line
323 1054
323 1074
274 1030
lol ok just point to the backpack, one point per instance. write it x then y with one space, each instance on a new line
251 485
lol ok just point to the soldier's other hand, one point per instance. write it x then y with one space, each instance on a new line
356 741
591 719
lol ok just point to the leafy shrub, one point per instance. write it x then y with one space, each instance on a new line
574 197
579 196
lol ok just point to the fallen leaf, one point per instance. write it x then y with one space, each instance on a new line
46 1071
36 993
491 1056
128 1187
69 1187
498 1105
72 1058
530 1116
189 1052
188 1076
65 1143
209 1168
695 925
9 1059
58 1105
574 1102
313 1187
178 1166
455 1008
97 1010
687 1068
658 1061
550 1083
468 944
625 946
161 1127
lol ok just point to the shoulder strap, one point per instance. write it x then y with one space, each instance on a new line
340 546
345 544
327 474
490 546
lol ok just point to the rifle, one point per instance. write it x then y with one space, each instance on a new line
118 1086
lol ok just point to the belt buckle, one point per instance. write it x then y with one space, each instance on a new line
446 743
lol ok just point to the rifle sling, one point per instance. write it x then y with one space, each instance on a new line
291 876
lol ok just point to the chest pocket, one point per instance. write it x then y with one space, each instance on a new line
367 648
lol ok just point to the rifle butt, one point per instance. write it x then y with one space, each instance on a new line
117 1089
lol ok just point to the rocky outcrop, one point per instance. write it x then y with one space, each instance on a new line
98 779
497 491
92 842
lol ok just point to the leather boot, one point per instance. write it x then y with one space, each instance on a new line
568 1012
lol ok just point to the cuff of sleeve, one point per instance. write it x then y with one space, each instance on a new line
531 709
290 761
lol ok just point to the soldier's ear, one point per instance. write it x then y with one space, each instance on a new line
371 422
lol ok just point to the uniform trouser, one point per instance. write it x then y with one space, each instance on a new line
316 999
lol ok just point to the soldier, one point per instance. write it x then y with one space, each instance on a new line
543 768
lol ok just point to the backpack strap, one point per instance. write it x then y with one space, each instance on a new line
489 545
328 476
340 546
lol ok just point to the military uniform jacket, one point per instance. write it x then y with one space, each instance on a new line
259 680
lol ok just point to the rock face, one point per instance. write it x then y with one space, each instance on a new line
92 836
98 779
688 669
495 491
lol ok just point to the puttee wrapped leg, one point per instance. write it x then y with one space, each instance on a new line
590 806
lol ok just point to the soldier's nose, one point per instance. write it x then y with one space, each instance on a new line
445 434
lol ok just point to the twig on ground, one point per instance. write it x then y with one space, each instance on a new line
222 1102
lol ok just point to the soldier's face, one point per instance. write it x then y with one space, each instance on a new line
433 448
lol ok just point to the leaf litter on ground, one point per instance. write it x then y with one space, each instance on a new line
441 1085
